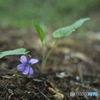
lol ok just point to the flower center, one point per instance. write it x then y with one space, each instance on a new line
27 65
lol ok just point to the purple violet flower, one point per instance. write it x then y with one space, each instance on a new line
25 66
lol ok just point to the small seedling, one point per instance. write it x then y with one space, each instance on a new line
59 33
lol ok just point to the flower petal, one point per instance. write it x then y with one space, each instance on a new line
33 61
23 59
21 67
26 70
31 72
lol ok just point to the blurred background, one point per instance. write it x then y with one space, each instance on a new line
50 14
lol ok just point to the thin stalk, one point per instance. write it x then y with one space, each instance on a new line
44 61
43 54
80 73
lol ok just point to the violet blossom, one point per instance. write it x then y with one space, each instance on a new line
25 66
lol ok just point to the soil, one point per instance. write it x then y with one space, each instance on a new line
74 65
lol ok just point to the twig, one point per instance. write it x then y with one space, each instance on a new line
41 92
91 88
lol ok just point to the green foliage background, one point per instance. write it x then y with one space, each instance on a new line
51 13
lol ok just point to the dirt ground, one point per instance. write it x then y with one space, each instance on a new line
74 65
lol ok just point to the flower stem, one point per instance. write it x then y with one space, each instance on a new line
44 60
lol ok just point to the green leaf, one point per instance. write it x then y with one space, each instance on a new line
13 52
62 32
38 30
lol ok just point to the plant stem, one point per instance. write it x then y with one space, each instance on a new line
44 60
43 55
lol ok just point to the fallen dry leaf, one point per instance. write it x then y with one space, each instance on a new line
80 55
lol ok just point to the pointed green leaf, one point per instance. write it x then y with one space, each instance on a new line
62 32
38 30
13 52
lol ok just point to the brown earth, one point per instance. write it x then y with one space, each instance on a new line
74 65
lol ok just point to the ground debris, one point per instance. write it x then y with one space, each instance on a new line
61 73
